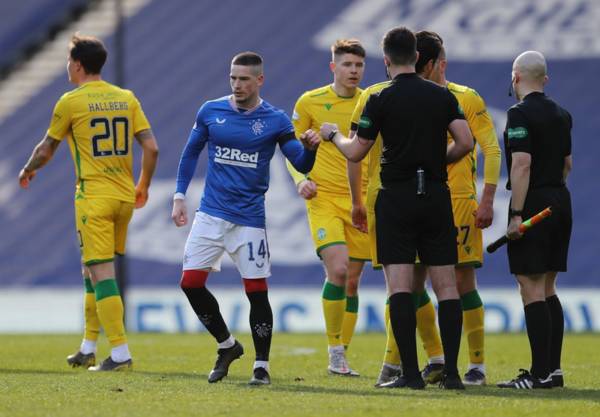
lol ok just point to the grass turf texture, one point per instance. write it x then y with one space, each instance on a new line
169 379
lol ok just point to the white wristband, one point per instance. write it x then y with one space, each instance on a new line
179 196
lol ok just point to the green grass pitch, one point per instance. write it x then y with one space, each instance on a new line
169 379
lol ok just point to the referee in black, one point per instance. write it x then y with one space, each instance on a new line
537 141
413 209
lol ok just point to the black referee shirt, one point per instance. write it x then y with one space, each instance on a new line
540 127
412 115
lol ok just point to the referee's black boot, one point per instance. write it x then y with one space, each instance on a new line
451 381
557 378
403 382
527 381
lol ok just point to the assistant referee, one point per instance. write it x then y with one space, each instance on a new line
413 209
538 153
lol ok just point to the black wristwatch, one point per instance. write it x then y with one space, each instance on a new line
332 134
512 212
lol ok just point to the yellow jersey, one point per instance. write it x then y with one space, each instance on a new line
100 120
374 156
462 175
312 109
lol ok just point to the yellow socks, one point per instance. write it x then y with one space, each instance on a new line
473 317
427 327
350 318
110 311
92 324
392 354
334 306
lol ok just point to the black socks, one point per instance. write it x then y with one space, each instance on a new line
538 321
206 307
450 318
404 325
558 328
261 323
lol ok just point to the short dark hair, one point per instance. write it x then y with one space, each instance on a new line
400 46
430 46
89 51
247 59
347 46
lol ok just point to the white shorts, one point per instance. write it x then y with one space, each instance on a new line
211 236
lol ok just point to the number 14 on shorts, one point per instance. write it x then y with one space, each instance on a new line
263 250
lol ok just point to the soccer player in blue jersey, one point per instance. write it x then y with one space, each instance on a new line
241 131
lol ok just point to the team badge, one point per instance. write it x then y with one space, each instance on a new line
206 319
321 234
258 127
263 329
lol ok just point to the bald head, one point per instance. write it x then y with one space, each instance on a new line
531 66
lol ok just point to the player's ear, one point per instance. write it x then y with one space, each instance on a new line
332 66
443 65
428 67
260 79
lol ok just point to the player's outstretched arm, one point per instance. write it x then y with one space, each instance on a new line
302 152
354 149
41 155
149 146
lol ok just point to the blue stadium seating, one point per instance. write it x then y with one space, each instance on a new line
26 22
178 56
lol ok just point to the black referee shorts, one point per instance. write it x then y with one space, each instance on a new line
409 225
545 247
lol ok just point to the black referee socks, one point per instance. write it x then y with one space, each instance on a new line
558 328
450 317
404 325
538 321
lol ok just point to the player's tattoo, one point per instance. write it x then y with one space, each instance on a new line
42 153
143 135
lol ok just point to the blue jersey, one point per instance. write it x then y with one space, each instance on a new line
240 148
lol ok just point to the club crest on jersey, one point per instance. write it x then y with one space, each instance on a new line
258 126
